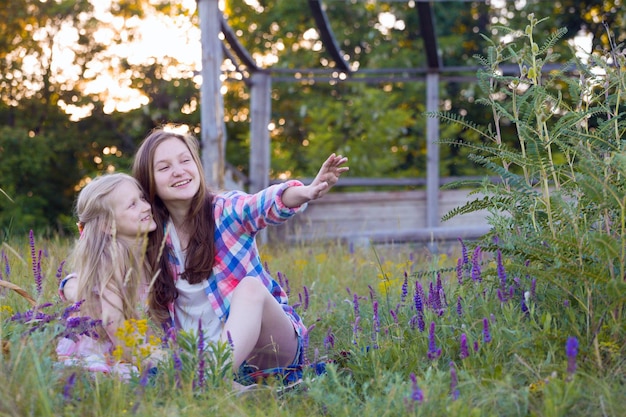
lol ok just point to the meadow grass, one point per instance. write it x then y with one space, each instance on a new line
402 332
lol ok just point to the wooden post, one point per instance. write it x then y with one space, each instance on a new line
261 110
432 151
213 128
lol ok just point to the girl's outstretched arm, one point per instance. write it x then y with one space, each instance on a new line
326 178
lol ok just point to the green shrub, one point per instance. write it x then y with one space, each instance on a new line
559 212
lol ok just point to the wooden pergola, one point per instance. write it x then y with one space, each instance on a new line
213 136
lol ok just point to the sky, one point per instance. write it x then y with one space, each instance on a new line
157 37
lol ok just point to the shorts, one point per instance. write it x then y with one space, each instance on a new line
250 374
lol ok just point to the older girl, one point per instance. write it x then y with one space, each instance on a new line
211 272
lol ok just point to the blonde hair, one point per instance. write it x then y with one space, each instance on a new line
100 260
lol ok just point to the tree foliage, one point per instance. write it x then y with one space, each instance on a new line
379 123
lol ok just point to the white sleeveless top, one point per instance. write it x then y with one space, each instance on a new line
192 304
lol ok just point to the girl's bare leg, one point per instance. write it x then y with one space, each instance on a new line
259 329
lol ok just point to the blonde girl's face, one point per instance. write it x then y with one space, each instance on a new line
176 174
132 213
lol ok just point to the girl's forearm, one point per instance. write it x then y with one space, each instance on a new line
295 196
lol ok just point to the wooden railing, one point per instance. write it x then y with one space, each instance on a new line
382 216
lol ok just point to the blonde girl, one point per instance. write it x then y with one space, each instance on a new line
110 270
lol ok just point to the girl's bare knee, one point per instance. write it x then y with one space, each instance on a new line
251 290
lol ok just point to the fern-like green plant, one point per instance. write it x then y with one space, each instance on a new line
559 211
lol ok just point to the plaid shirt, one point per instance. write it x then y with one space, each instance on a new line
238 217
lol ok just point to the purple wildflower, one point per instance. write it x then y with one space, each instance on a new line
287 287
178 367
476 346
486 333
421 325
464 350
355 305
571 350
417 298
329 340
464 255
376 318
405 288
229 337
35 265
454 381
500 269
38 276
355 329
434 300
306 297
394 315
145 375
439 283
75 307
501 295
7 267
60 270
443 299
279 275
476 265
420 291
305 349
433 352
68 388
523 306
171 334
416 393
459 306
372 293
459 271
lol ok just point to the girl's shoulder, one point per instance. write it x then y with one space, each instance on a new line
68 288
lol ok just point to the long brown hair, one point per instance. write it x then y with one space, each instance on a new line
201 250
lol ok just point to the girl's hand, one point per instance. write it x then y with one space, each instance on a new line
328 175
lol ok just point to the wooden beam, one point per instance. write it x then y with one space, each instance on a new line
328 38
234 44
261 110
213 128
427 30
432 151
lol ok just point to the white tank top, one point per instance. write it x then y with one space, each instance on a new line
192 304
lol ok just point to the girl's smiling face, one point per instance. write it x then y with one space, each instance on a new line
176 174
132 213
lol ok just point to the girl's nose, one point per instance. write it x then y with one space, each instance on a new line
176 170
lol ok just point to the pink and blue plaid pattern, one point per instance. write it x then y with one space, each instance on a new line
239 217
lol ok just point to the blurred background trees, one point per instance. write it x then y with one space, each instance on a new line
76 99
